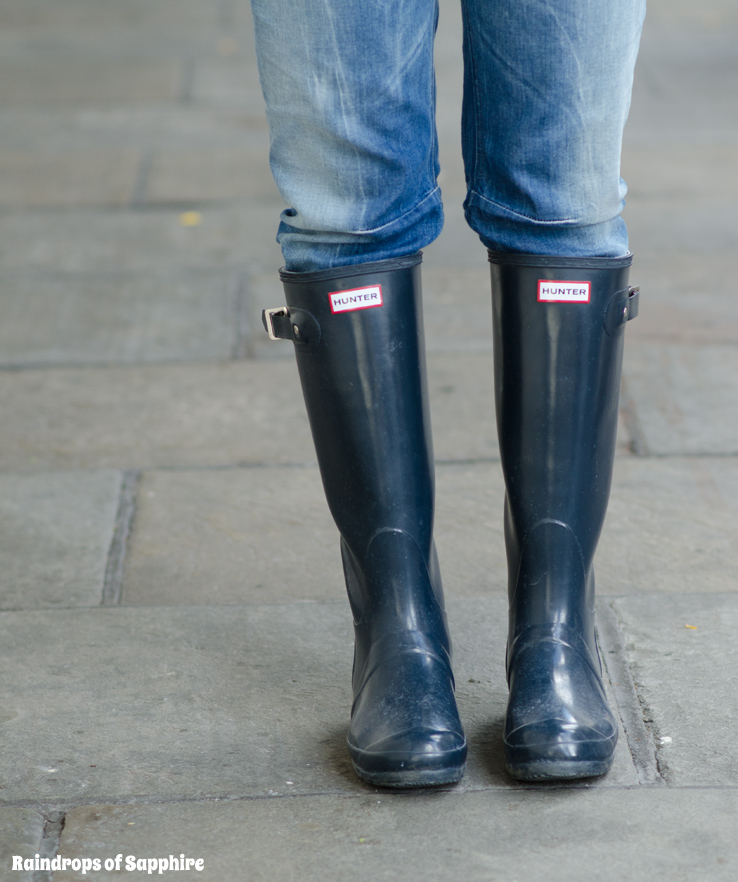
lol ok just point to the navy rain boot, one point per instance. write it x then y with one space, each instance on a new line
359 346
558 346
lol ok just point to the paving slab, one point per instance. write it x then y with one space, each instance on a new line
685 74
698 171
167 415
582 835
43 80
160 126
684 397
683 656
240 236
232 536
86 177
675 225
457 307
21 830
233 701
672 527
206 414
36 16
200 537
712 14
229 82
685 298
55 533
197 176
231 413
118 318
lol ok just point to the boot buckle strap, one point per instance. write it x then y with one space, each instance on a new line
273 326
289 323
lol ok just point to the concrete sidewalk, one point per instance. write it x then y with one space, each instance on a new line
176 644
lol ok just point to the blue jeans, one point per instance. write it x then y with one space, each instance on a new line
350 94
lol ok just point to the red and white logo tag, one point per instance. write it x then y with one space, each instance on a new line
357 298
563 292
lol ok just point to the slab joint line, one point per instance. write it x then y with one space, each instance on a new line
113 581
242 346
50 843
638 444
640 741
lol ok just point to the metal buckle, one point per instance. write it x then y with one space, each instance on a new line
632 304
268 319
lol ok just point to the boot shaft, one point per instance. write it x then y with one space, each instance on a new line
558 344
361 358
558 339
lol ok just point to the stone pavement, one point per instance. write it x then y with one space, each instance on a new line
176 645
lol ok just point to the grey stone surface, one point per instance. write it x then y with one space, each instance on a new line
123 16
64 319
139 417
55 532
229 82
231 701
199 536
672 526
457 307
582 835
232 536
85 177
195 176
702 172
684 658
125 33
239 236
161 127
46 81
20 834
222 414
686 298
678 225
685 397
265 535
685 74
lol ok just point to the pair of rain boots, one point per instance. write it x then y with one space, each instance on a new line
558 340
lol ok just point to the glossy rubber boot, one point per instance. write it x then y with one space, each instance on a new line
558 344
360 353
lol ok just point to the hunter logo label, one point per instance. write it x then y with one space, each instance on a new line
358 298
563 292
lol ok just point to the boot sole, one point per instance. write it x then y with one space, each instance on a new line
412 778
562 770
409 770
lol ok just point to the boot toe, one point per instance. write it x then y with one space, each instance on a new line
553 749
558 721
416 757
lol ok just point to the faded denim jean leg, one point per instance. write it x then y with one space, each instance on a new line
350 96
547 86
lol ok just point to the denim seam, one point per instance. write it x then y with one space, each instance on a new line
517 214
472 173
396 220
433 134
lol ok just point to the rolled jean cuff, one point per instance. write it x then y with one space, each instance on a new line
314 250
